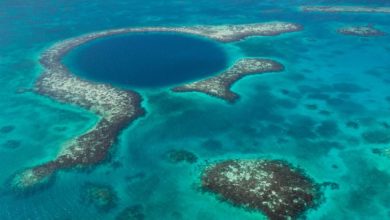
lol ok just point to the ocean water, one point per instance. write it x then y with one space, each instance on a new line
300 115
148 60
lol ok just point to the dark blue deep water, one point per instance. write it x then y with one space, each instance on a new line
148 60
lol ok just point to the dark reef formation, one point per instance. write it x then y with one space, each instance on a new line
117 108
219 85
362 31
177 156
134 212
11 144
383 152
352 124
7 129
273 187
377 136
103 197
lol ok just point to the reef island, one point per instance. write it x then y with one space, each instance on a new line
116 107
219 85
345 9
362 31
272 187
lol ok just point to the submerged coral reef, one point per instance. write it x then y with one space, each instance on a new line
177 156
273 187
134 212
383 152
376 136
103 197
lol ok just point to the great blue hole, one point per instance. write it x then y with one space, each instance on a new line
147 59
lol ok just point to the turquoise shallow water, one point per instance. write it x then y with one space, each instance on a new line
300 115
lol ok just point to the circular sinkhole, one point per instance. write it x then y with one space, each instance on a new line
147 59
